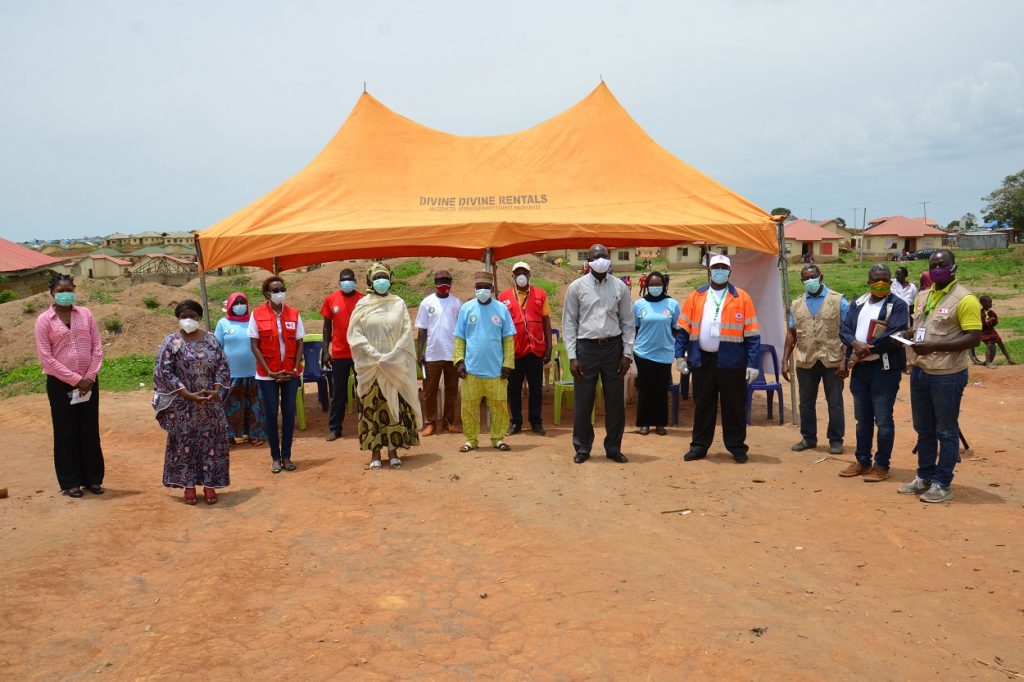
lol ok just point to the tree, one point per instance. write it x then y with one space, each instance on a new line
1006 204
782 211
841 223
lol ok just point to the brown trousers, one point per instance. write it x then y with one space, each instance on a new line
435 370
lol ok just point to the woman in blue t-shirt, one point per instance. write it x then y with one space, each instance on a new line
655 315
242 406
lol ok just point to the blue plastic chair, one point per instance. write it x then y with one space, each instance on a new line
761 383
312 371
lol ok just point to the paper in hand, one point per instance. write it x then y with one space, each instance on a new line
905 342
78 397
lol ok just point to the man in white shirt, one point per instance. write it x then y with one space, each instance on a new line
903 288
435 346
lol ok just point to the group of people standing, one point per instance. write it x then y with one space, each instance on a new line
215 389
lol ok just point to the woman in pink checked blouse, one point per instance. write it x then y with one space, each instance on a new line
71 353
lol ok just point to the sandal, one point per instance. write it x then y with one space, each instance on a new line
467 448
289 466
72 492
190 495
502 445
256 442
275 468
375 464
210 494
395 462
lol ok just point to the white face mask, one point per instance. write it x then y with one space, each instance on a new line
188 324
522 281
483 295
600 265
277 298
240 308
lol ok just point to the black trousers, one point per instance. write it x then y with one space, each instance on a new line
77 455
599 360
710 383
652 381
531 368
341 368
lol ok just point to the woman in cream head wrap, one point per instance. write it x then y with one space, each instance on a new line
380 334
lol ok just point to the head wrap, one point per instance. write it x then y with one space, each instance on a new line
483 277
378 268
664 290
232 300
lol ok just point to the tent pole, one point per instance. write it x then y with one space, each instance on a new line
202 282
488 260
276 270
794 412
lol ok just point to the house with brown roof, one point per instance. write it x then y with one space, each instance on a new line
806 240
101 267
25 271
892 235
838 227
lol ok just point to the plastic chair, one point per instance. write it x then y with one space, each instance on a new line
563 385
761 383
312 347
679 392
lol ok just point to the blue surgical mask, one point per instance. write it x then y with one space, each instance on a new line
382 286
483 295
240 309
655 291
811 285
720 276
65 298
347 286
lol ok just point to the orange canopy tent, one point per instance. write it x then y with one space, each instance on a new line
386 186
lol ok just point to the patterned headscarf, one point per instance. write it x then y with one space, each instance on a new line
377 268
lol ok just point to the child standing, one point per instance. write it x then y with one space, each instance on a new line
989 336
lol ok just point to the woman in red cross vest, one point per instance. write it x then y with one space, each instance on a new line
276 332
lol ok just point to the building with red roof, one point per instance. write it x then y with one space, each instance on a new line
25 271
891 236
807 241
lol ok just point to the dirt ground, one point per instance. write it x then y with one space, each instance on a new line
518 565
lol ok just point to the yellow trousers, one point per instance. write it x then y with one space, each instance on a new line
472 391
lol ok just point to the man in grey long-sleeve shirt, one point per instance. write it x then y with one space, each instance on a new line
598 329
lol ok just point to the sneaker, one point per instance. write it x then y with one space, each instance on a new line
804 444
855 469
937 494
835 447
915 487
876 474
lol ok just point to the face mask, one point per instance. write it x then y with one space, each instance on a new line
443 289
188 325
522 281
720 276
64 298
600 265
483 295
880 289
347 286
941 276
655 291
382 286
811 285
277 298
240 309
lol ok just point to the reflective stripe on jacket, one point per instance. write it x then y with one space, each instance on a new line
740 334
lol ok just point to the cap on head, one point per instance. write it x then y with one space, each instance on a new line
482 277
720 260
521 265
442 274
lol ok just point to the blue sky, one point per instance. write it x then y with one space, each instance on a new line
129 116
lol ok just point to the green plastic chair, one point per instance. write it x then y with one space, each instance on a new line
562 382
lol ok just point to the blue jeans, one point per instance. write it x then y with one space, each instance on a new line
272 393
935 405
874 393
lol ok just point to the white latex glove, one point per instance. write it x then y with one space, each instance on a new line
751 374
681 365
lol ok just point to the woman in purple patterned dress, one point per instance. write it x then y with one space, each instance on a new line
191 371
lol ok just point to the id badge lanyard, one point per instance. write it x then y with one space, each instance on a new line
716 322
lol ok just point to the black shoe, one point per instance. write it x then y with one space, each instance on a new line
288 466
581 457
539 430
72 492
661 431
804 444
740 458
618 457
95 489
694 454
644 430
513 430
333 435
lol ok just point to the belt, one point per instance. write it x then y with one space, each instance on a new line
600 342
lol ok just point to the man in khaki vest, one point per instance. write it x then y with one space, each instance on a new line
813 341
946 323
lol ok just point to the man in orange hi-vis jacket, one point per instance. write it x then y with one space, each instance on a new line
721 341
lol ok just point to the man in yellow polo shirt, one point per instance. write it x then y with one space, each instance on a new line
946 323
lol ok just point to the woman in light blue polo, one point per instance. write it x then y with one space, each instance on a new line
242 405
655 315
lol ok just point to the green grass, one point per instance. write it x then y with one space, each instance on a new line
99 296
549 287
120 374
410 269
7 295
410 294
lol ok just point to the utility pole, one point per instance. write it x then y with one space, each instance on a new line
924 205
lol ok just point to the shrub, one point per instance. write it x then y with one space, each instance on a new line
29 307
150 302
101 297
113 324
7 295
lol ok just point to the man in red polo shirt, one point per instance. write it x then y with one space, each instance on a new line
336 311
